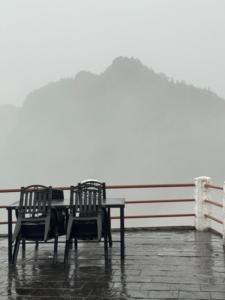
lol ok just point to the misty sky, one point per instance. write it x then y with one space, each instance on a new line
45 40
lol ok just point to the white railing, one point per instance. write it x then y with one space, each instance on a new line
206 213
204 204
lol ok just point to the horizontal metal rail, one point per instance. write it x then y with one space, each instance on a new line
127 186
213 218
159 201
144 186
214 186
214 203
2 191
6 223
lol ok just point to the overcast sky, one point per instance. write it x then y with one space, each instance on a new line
45 40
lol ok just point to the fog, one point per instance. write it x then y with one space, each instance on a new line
159 58
124 91
43 41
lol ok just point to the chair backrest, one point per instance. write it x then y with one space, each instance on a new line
87 198
35 201
74 200
90 183
57 194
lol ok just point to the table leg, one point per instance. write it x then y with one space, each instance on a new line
122 241
109 227
9 235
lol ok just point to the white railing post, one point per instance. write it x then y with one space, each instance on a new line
224 214
201 222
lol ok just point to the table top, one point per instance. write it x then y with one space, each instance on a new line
109 203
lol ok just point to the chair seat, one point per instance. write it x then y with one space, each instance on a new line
84 229
61 222
85 226
35 231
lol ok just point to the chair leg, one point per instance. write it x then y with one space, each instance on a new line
47 226
75 244
23 246
67 249
56 245
16 250
105 240
55 248
110 239
36 245
69 227
109 227
17 229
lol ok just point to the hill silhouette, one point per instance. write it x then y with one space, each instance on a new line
8 120
125 125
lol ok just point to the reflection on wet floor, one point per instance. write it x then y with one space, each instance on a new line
158 265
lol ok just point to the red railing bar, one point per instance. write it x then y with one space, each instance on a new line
213 218
159 201
213 186
18 190
155 216
127 186
6 223
9 190
136 186
213 203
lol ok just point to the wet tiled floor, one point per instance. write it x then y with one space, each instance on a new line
182 264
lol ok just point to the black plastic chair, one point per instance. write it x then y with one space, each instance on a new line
101 185
58 194
36 219
87 219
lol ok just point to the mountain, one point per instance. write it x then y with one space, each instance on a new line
125 125
8 120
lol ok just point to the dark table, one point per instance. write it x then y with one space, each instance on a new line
64 204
